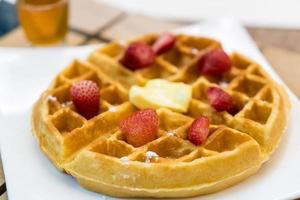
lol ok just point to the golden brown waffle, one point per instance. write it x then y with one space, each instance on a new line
96 154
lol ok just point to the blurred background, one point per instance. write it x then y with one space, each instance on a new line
270 22
273 24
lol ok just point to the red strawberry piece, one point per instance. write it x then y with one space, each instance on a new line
141 127
199 131
85 96
220 100
233 109
165 42
137 56
214 63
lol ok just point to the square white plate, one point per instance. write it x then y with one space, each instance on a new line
25 73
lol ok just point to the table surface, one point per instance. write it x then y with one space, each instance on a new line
103 23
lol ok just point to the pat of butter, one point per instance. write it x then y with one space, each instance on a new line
159 93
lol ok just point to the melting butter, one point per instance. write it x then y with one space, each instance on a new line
159 93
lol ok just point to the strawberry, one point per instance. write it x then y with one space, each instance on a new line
220 100
140 128
199 131
137 56
165 42
214 63
85 96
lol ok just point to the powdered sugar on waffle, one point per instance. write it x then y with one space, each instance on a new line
150 155
51 98
122 43
67 103
194 51
125 176
170 133
125 160
223 84
112 109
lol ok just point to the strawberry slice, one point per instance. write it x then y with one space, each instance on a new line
220 100
214 63
141 127
165 42
85 96
137 56
199 131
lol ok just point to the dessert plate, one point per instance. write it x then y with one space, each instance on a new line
24 73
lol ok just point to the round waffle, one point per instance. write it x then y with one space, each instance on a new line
96 154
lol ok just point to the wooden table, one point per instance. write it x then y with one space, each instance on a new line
91 22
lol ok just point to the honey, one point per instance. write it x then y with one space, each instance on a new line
44 22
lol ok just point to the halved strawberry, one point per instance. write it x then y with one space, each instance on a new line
165 42
220 100
137 56
85 96
141 127
199 131
214 63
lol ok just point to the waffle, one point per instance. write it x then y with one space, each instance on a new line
96 154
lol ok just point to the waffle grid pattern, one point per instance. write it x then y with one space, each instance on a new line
68 134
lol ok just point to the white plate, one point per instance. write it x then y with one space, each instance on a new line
24 73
